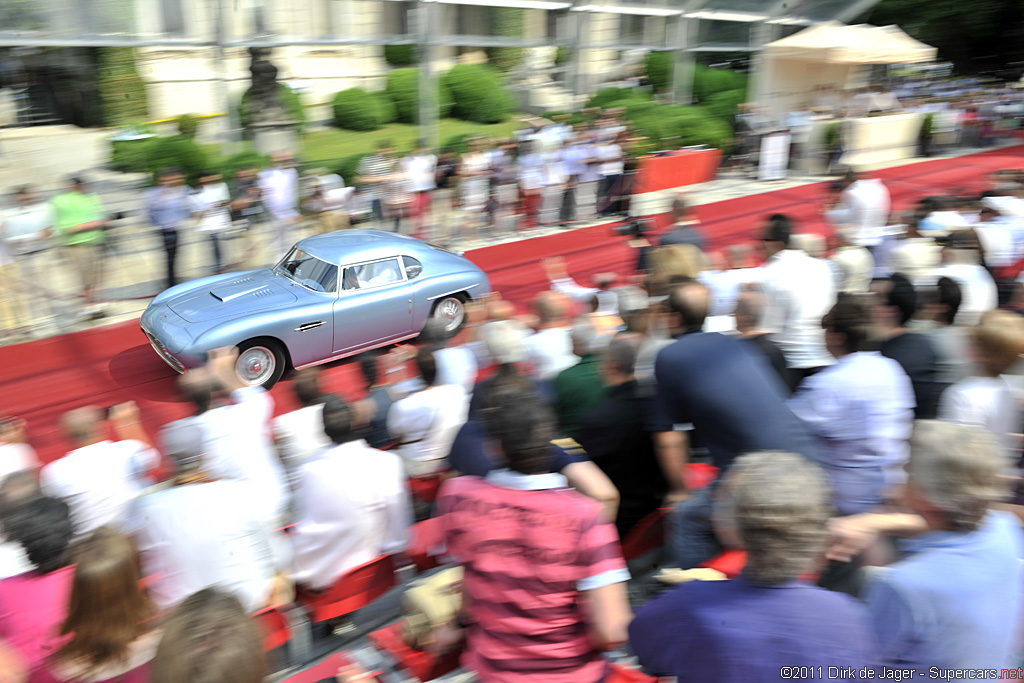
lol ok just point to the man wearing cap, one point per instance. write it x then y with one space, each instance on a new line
198 531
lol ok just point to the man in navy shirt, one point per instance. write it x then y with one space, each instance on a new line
765 623
716 390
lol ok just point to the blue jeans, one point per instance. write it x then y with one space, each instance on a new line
691 537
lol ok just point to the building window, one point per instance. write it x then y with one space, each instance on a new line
172 16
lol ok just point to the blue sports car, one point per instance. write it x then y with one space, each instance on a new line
332 296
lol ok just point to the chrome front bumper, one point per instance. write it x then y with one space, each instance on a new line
162 351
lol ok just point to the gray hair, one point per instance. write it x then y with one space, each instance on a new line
504 341
584 336
623 350
957 469
753 304
778 503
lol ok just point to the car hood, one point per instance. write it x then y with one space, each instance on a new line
259 291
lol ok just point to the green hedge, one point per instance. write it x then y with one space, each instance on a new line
121 88
188 125
177 151
607 98
356 109
658 67
401 55
457 144
671 127
403 87
386 107
132 156
478 94
248 158
506 22
708 82
723 105
289 100
348 167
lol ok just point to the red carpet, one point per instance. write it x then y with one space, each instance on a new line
43 379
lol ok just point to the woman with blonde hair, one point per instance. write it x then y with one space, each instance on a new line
108 626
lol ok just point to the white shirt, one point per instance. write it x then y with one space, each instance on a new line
215 218
238 447
354 507
997 239
456 365
867 203
16 457
280 192
985 402
800 290
550 352
611 159
99 481
977 288
299 436
914 257
23 228
856 266
203 535
425 424
419 171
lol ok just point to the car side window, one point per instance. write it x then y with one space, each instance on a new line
370 275
413 268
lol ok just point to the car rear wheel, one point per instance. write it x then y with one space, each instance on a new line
260 362
451 310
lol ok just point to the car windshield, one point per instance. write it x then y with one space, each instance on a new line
309 271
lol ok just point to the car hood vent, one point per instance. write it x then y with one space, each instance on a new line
236 289
230 299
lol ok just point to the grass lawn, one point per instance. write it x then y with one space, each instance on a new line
330 146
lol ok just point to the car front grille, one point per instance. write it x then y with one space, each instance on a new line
162 351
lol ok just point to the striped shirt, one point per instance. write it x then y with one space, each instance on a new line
374 169
529 545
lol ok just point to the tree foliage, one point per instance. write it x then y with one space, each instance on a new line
507 22
658 67
121 88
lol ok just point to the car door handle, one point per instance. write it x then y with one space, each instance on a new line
410 306
306 327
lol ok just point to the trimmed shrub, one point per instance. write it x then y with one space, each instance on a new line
401 55
506 22
403 89
177 151
188 125
723 105
637 107
289 100
607 98
478 94
121 88
445 99
348 167
707 82
659 68
356 109
563 55
248 158
132 156
386 107
457 144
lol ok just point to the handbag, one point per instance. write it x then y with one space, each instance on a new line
430 603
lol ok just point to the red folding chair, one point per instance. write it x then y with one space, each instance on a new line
621 674
424 537
354 590
648 534
274 631
418 663
730 563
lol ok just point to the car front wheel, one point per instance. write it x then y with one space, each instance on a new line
260 363
452 312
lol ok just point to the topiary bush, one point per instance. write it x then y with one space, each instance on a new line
401 55
607 98
188 125
385 107
289 100
177 151
457 144
723 105
248 158
132 156
707 82
403 87
356 109
478 94
658 66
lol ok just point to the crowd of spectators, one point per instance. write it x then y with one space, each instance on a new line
861 409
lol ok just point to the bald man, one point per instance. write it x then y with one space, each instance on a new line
749 314
713 388
549 349
100 478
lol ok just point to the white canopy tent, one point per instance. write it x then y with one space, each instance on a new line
828 54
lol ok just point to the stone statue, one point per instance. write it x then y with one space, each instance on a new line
264 102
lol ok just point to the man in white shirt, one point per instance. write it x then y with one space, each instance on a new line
353 504
864 208
236 422
531 180
549 349
210 206
961 262
855 264
280 192
611 168
556 176
420 168
200 531
997 238
800 290
100 478
24 234
299 435
426 421
913 254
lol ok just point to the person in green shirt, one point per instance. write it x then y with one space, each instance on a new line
81 222
580 388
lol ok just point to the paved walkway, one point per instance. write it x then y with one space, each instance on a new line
134 261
